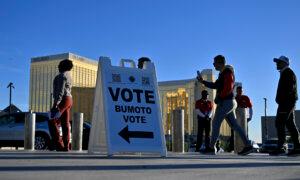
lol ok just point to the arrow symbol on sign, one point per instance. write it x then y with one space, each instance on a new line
126 134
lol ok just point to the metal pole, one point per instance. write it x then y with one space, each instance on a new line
266 127
10 100
29 136
10 86
77 128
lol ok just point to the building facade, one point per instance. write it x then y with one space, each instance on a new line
42 72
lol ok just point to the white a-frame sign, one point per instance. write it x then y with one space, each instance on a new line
126 114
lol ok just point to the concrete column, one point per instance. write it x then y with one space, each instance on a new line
29 135
77 129
242 121
178 130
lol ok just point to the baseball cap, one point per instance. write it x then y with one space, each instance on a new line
283 59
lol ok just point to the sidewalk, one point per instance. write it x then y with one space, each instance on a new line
44 165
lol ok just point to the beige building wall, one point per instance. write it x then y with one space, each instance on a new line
42 72
83 98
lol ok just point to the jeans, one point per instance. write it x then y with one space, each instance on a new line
226 110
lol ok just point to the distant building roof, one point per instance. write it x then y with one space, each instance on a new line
176 82
13 109
62 56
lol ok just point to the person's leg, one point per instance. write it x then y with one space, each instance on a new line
55 135
291 126
220 114
281 118
207 133
231 119
200 134
231 141
64 108
234 125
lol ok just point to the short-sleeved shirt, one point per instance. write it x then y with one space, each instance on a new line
205 106
243 101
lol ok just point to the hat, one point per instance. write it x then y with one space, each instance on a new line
283 59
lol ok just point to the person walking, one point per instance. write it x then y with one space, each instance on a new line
60 111
226 104
286 99
203 109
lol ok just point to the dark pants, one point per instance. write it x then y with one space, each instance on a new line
286 118
64 120
231 141
203 125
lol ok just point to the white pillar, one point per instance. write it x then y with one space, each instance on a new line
77 129
178 130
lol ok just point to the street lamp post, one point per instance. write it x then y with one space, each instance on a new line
10 86
266 127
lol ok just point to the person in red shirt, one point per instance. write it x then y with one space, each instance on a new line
243 101
203 109
244 113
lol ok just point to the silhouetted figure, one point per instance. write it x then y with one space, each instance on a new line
141 62
286 98
60 111
243 111
203 109
226 104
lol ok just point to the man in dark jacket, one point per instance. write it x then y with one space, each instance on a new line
226 104
286 98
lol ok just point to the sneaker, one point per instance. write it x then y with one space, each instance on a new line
209 151
277 152
247 150
294 152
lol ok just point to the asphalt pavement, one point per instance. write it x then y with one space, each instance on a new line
44 165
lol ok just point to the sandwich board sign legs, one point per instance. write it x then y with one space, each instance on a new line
98 137
126 114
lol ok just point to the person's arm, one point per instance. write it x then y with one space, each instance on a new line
210 109
249 106
199 113
211 85
59 87
209 114
290 82
250 114
228 85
